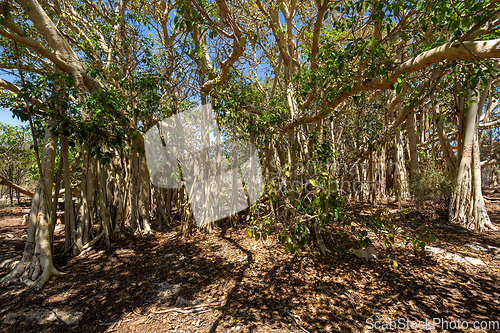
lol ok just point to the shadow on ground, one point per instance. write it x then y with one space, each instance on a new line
251 286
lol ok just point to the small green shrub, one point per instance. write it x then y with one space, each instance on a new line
419 242
431 185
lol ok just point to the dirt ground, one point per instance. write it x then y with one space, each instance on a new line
227 282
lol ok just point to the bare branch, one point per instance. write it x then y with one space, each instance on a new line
4 181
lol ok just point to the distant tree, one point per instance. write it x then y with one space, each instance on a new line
16 157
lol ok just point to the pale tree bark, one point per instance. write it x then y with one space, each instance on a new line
448 155
135 188
234 171
467 203
235 34
187 216
452 51
4 181
400 173
103 203
426 125
127 195
412 143
161 204
69 216
271 173
63 55
382 174
496 183
88 197
145 191
36 265
118 198
55 201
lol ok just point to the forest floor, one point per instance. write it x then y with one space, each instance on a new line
227 282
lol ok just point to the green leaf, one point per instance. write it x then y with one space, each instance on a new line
359 6
243 41
397 87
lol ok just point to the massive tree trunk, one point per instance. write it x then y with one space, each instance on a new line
467 203
36 266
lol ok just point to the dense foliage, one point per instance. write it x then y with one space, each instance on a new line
346 101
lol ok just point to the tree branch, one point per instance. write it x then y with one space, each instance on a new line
37 47
6 182
452 51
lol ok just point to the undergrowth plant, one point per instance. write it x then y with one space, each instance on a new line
318 210
431 184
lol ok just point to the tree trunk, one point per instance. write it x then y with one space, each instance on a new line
118 203
134 193
448 155
103 203
69 217
53 215
412 142
36 266
467 203
400 177
145 188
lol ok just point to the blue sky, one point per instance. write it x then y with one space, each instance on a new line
6 114
6 117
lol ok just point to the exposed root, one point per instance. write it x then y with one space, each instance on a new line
31 274
89 245
42 279
14 274
489 225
